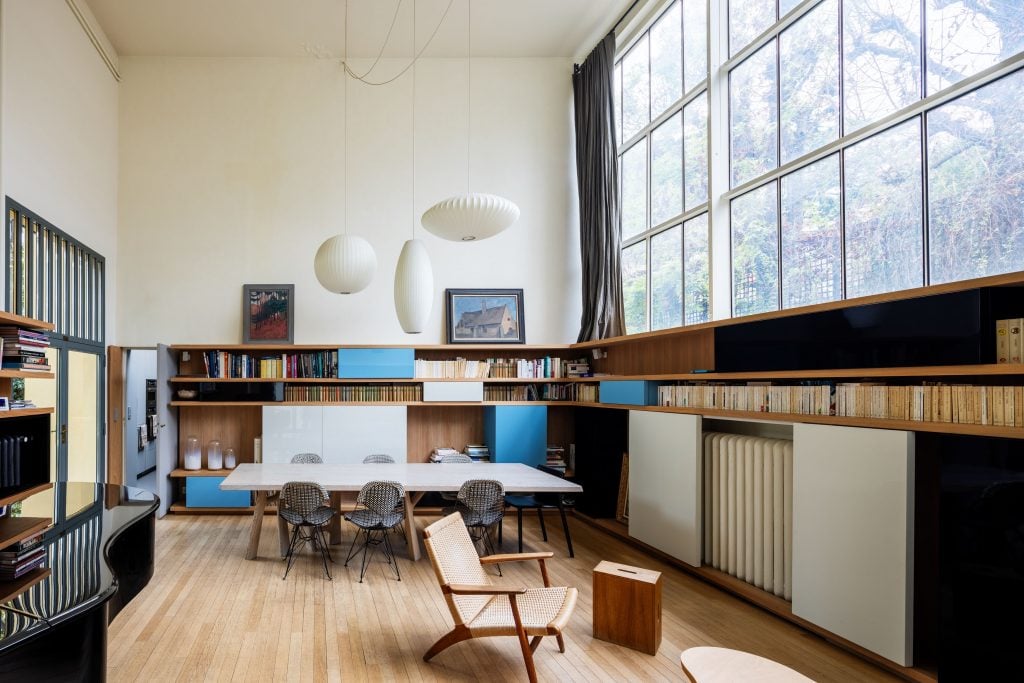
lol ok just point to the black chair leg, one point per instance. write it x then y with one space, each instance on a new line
519 522
352 547
489 546
543 529
501 525
318 536
291 551
366 547
389 551
565 528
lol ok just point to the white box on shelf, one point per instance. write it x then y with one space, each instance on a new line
453 391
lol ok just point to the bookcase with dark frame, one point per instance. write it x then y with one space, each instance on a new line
30 429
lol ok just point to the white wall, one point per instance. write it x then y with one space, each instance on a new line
233 171
60 128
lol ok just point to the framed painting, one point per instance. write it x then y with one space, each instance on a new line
485 316
268 314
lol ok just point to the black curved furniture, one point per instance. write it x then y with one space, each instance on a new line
100 555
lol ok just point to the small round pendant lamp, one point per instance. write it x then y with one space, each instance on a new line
469 217
345 264
414 287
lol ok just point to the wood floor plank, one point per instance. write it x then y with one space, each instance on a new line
209 614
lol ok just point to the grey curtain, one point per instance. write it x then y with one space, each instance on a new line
597 175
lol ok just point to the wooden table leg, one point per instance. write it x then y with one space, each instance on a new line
334 526
410 524
257 525
282 534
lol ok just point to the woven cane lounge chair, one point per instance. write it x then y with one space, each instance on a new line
480 608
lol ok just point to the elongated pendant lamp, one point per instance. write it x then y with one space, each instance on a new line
414 287
414 276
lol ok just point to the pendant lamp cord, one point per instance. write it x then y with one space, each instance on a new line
469 93
344 95
413 108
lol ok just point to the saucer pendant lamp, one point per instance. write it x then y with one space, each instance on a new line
345 264
473 215
414 276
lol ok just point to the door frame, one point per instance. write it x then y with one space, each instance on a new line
116 387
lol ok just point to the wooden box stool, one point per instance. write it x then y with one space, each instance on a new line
627 606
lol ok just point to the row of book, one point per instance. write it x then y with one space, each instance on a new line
763 397
548 367
460 368
22 349
477 452
363 393
22 557
11 448
541 392
315 364
1001 406
1009 341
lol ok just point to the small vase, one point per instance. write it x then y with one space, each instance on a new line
214 457
193 456
230 460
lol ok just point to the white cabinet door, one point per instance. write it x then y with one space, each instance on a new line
665 483
853 535
288 430
350 433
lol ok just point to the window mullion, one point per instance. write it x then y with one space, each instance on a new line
719 243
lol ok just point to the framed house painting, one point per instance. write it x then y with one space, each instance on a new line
268 314
485 316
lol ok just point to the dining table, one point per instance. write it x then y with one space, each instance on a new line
417 479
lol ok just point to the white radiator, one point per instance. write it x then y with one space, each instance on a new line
748 509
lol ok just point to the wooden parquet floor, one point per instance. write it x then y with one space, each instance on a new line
210 615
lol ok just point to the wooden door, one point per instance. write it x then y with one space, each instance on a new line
115 414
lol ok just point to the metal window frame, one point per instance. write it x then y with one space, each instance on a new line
716 88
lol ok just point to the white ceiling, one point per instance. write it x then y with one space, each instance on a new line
295 28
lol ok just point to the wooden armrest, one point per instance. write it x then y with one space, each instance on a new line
463 589
516 557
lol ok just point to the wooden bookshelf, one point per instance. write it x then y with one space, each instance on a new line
25 493
25 374
9 590
25 412
14 529
399 380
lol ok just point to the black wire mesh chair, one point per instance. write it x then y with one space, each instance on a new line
378 459
380 507
453 458
307 459
481 502
306 506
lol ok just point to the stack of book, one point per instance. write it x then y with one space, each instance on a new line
479 452
439 452
20 558
24 349
577 368
556 458
460 368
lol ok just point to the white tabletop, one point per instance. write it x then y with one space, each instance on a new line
515 477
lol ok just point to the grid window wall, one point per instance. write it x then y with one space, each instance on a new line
862 147
662 118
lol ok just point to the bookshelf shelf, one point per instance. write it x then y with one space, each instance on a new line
218 404
14 529
25 493
24 412
981 370
12 589
25 374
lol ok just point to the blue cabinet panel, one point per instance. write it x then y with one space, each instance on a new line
204 492
516 433
375 363
629 392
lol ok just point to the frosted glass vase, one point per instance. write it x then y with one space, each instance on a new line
193 456
214 457
230 459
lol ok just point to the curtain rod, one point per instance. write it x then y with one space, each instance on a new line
622 18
